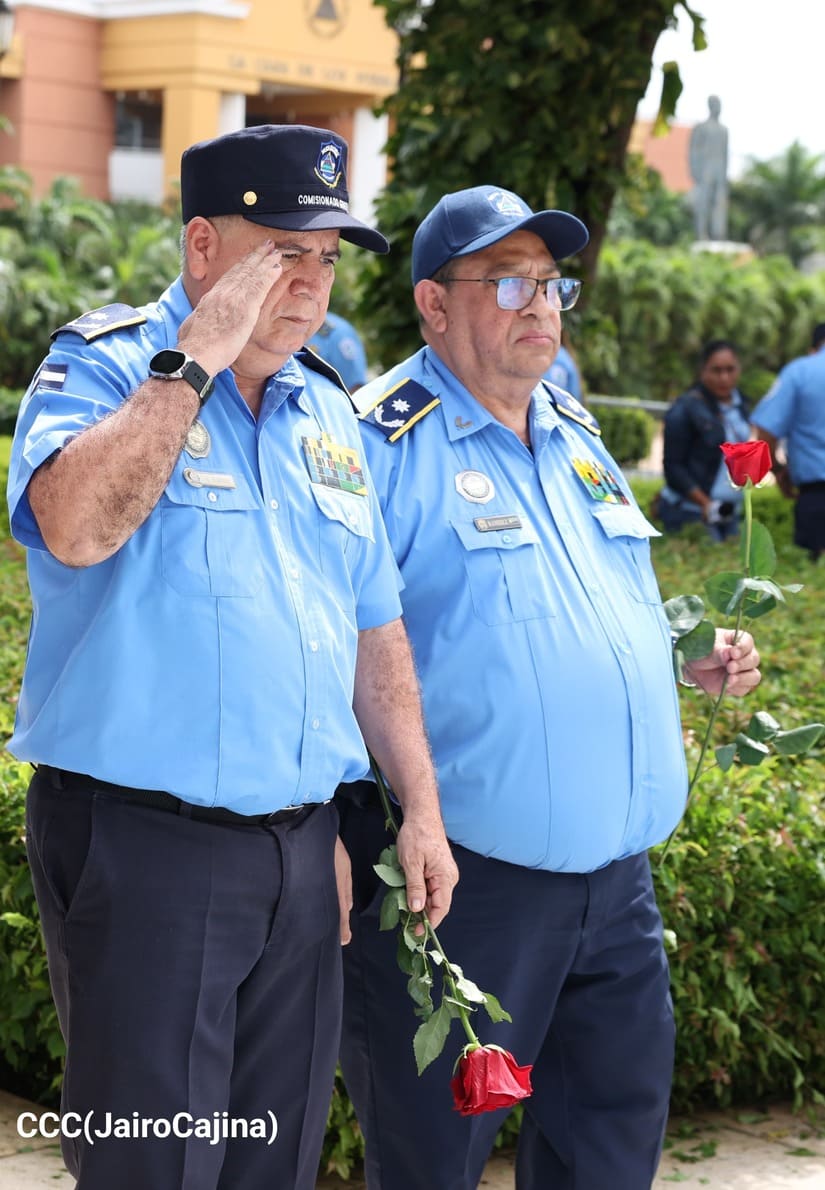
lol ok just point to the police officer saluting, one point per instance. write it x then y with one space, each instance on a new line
216 621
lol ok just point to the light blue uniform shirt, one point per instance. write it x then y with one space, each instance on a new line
213 655
794 409
541 642
338 343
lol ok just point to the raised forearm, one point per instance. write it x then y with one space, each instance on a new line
91 497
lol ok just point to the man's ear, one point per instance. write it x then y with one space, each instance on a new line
201 244
430 300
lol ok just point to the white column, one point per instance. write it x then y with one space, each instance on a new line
369 173
232 113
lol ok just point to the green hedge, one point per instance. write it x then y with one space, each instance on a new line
627 433
741 890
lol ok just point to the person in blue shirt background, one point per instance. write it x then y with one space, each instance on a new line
339 344
545 661
794 411
216 624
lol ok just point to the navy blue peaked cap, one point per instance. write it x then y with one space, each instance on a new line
289 176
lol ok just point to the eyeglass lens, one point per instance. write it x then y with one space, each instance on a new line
514 293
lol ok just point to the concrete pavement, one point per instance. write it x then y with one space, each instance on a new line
735 1150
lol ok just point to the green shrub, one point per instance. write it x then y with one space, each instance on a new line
627 433
742 889
9 403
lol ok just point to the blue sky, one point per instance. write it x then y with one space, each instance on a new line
766 62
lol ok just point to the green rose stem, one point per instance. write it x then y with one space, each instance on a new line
429 932
697 772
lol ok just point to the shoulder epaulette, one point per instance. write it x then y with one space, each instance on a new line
567 404
398 409
116 317
311 359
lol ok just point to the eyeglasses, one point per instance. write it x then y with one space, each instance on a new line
514 293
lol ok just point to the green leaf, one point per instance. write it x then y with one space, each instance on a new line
390 910
750 751
418 987
762 553
683 613
720 589
800 739
762 726
725 756
394 877
699 642
403 955
671 90
16 920
726 591
411 940
429 1038
470 990
494 1010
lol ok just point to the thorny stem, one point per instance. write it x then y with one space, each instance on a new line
697 772
430 933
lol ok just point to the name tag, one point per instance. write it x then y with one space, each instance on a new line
208 479
491 524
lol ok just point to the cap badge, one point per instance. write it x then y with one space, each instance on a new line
475 487
250 198
328 165
506 203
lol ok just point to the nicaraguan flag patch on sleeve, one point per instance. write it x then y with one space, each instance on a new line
51 376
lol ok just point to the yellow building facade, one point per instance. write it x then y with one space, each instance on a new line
112 91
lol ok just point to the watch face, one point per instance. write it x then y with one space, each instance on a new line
167 361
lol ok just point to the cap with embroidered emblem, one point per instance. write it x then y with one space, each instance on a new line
289 176
470 220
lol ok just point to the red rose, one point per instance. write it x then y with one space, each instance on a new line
746 461
489 1078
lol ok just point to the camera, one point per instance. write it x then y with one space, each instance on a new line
720 512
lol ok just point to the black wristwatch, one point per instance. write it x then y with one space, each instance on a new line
172 364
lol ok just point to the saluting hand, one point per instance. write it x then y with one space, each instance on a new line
219 327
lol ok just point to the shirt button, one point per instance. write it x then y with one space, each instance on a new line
506 538
313 644
212 496
293 572
316 723
273 504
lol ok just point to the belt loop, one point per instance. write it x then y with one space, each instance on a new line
185 808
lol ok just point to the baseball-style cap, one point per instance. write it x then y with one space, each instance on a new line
469 220
289 176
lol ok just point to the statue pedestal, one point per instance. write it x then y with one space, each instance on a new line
724 248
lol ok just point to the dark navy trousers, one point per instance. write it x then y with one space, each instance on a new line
196 970
578 962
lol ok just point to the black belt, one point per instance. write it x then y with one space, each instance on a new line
818 485
158 799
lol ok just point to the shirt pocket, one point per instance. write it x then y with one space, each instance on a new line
503 567
630 532
210 539
345 521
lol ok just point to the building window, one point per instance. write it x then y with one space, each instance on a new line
137 122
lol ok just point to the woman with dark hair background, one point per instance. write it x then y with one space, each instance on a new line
713 411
